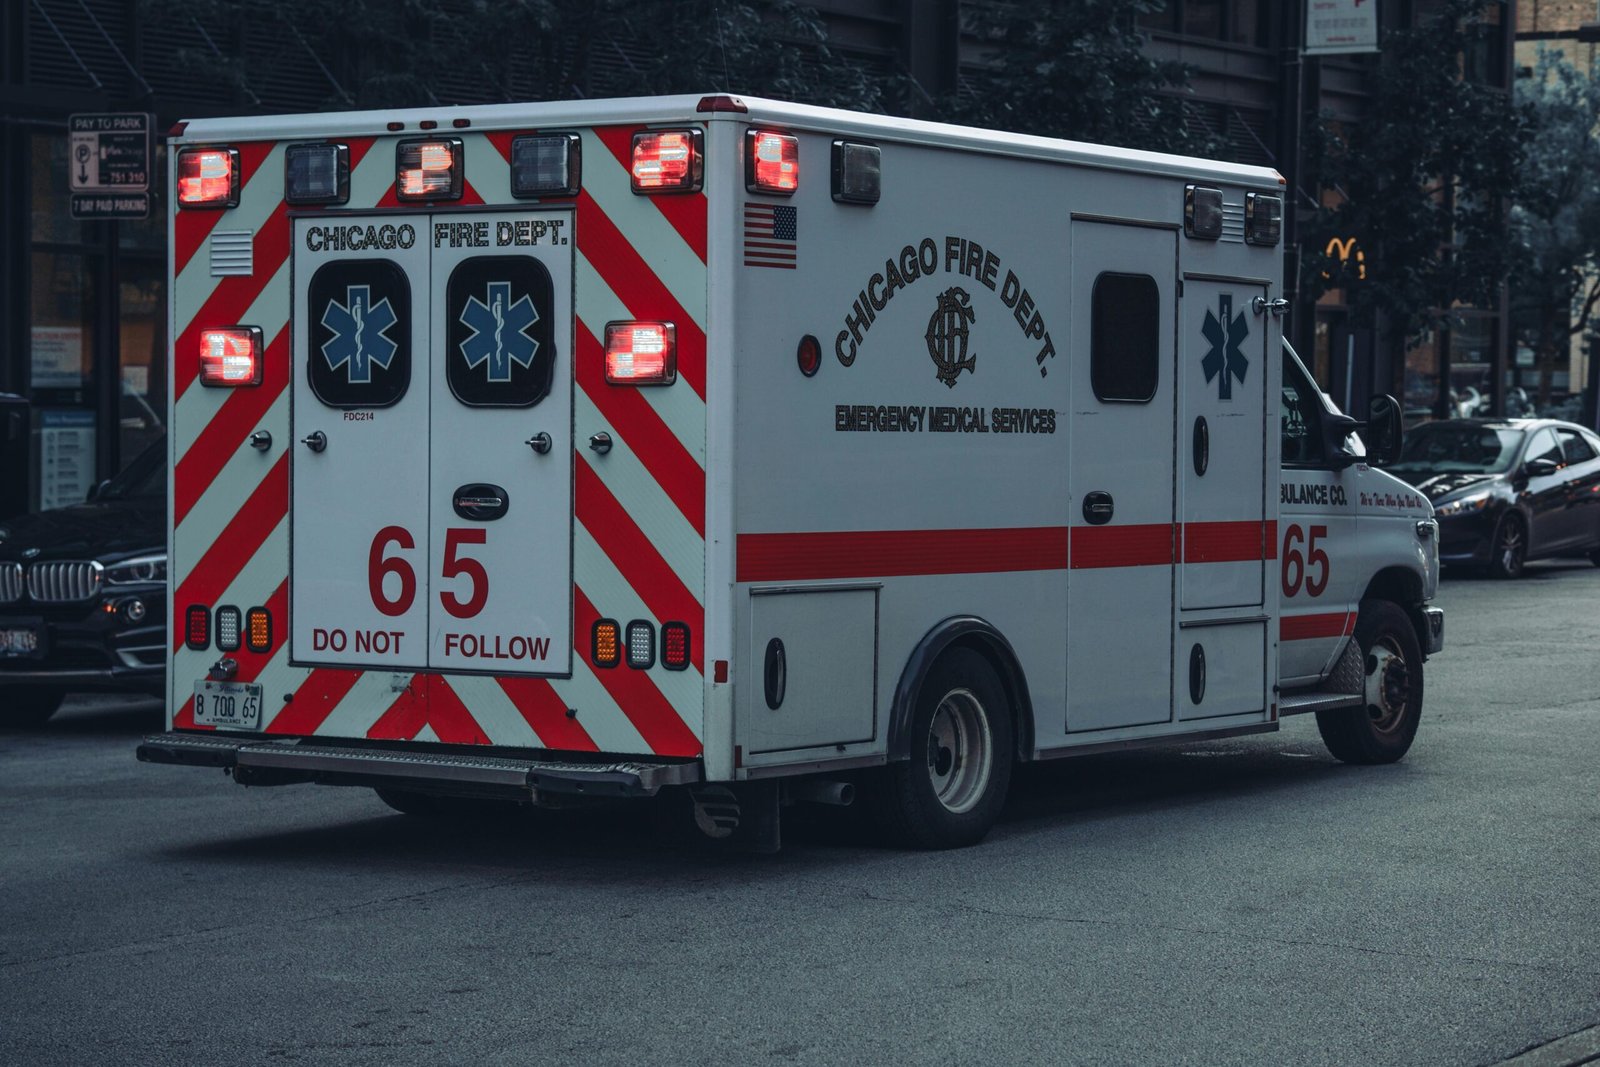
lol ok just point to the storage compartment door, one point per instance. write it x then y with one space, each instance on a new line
1222 670
811 670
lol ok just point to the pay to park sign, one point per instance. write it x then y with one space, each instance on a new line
108 165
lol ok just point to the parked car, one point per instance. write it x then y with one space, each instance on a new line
1507 490
83 594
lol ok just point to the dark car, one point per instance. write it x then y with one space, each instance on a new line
1507 490
83 595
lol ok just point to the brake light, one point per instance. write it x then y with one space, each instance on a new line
208 177
428 169
230 356
641 353
675 645
197 626
667 161
771 162
258 629
606 643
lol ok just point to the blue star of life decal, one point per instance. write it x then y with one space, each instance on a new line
359 341
499 332
1225 359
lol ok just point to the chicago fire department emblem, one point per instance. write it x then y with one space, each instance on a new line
360 337
499 332
947 335
1226 359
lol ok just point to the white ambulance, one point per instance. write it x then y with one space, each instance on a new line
755 453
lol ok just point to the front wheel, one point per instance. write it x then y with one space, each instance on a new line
1382 728
951 790
28 706
1510 550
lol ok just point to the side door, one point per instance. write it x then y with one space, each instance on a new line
499 486
359 457
1583 488
1120 477
1546 496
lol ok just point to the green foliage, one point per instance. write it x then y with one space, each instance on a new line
1076 69
1555 216
1423 178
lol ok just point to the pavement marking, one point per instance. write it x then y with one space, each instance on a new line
1570 1051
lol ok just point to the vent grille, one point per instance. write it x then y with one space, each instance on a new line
10 582
1233 223
233 252
63 582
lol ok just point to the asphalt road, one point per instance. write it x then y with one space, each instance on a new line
1249 901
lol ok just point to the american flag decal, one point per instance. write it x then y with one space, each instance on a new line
770 234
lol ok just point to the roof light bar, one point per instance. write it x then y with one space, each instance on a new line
771 162
208 177
316 174
1263 218
1202 212
428 168
857 173
546 165
667 161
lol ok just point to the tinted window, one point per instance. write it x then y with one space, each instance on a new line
1544 446
1125 337
145 476
499 338
1300 416
1458 447
360 323
1578 448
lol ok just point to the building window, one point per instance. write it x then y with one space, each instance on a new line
1231 21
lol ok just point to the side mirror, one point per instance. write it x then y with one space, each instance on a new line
1336 430
1541 467
1384 434
96 490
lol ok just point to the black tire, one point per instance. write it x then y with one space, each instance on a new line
951 791
1594 557
1510 548
1381 729
28 706
432 806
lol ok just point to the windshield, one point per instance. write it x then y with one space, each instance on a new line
146 476
1444 448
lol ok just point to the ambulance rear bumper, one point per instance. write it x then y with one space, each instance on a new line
258 761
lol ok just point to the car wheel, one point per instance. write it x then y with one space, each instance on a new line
434 806
1594 557
950 792
29 706
1382 728
1510 547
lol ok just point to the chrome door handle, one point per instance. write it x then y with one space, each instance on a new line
316 440
600 442
539 442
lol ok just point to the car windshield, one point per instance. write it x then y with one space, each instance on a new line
146 476
1443 448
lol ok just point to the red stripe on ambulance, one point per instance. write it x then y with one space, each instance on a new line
1310 627
229 429
650 712
313 701
773 557
191 228
235 546
1229 542
687 214
543 710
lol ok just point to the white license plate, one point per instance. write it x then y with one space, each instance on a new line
19 641
227 705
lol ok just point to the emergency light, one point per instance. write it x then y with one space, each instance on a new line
1263 218
208 177
1202 212
228 628
316 173
428 168
667 161
771 162
641 353
546 165
857 173
230 356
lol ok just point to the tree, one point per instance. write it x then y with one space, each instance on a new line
1555 215
1076 69
1421 182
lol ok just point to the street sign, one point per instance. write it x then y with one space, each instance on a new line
1336 27
108 165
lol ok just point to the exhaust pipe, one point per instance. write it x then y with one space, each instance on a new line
838 794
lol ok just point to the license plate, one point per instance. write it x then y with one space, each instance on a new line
16 641
227 705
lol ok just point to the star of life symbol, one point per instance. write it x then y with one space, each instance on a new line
359 340
499 332
1225 359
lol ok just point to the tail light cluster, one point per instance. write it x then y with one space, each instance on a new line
611 643
231 628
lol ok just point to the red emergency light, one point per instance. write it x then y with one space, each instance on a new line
675 645
641 353
667 161
230 356
771 162
208 177
428 169
197 626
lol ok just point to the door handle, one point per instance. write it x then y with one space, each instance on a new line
539 442
1098 507
1277 307
600 442
316 440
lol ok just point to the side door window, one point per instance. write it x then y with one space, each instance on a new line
1578 450
1300 418
1544 446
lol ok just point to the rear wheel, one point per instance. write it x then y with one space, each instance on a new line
1510 547
1594 557
1382 728
434 806
29 706
950 792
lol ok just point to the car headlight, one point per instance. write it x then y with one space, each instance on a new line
141 570
1467 505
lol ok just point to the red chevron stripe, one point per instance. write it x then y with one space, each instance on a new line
650 712
636 285
687 214
536 701
191 228
642 567
232 297
406 716
240 540
239 416
313 701
636 422
428 701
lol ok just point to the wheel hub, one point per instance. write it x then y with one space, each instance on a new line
1388 687
960 751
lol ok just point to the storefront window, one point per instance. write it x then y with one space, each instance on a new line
61 335
141 348
1422 379
1473 341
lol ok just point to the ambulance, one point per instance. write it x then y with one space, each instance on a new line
753 454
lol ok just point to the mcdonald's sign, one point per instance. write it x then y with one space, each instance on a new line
1346 251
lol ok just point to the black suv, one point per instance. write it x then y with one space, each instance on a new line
83 595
